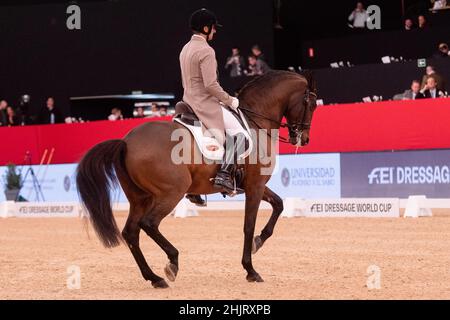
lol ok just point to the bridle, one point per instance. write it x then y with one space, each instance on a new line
295 129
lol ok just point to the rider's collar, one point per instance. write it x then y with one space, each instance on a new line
198 36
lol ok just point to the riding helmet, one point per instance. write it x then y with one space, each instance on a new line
203 18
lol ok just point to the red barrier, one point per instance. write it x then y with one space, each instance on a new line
404 125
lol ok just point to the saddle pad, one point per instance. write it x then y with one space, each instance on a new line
210 147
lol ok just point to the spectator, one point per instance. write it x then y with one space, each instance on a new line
431 72
442 51
11 118
50 114
162 111
439 4
235 63
409 25
431 91
3 115
411 94
116 114
256 51
155 111
256 67
358 17
140 112
422 22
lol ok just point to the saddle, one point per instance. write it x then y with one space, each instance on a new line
210 147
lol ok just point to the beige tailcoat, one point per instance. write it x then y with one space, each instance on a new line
202 90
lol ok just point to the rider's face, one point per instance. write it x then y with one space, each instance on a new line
211 35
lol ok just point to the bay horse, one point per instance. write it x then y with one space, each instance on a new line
141 162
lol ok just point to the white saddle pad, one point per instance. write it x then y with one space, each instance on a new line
210 147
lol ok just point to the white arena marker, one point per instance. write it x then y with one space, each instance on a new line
293 207
417 207
7 209
185 209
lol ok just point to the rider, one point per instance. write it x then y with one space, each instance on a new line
202 90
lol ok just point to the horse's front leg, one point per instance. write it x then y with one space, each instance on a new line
277 205
253 197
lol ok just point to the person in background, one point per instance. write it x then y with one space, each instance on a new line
140 113
11 118
358 17
235 63
3 114
411 94
256 67
155 111
163 111
442 52
431 72
439 4
409 25
431 91
116 114
422 22
256 51
50 114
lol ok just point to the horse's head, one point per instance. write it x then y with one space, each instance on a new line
299 114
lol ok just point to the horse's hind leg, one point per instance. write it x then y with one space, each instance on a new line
150 224
131 235
277 206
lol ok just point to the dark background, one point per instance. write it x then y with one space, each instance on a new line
133 45
122 45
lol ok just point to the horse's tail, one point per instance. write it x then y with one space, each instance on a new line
96 176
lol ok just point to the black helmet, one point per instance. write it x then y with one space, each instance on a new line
203 18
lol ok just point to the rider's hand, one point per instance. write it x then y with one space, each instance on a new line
234 104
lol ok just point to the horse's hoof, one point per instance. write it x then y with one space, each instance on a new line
257 244
171 271
161 284
254 278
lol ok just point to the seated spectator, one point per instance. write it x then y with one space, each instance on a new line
431 72
235 63
3 114
155 111
431 91
409 25
442 52
422 22
163 111
358 17
256 51
140 113
256 67
11 118
411 94
50 114
116 114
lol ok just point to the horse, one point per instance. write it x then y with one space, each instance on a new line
141 163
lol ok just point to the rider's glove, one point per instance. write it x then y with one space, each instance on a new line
234 103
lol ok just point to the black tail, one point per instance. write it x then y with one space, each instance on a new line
96 176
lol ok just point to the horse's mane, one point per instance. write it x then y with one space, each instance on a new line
263 82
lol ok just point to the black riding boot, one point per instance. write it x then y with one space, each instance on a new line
223 179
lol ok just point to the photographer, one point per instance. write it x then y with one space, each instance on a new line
235 63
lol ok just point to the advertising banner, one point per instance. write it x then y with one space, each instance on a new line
396 174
